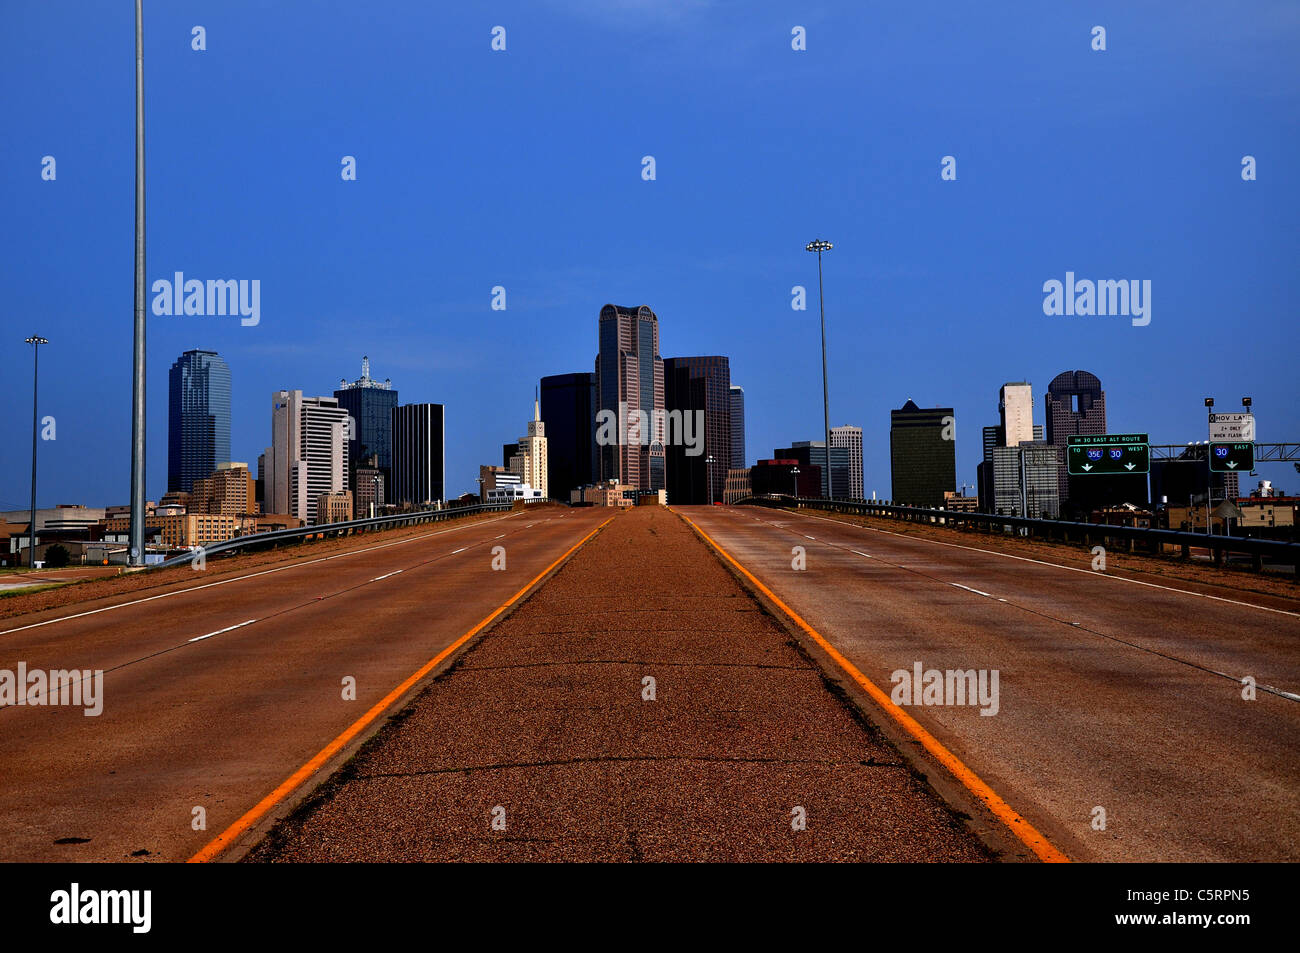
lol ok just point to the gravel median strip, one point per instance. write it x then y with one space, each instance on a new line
541 745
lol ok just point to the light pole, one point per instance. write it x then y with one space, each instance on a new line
708 465
794 478
819 246
35 341
136 544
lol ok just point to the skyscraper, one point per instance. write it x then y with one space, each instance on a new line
1075 405
851 439
698 390
922 454
370 404
1024 480
419 442
308 455
738 427
529 461
1016 461
198 418
569 409
630 386
1016 405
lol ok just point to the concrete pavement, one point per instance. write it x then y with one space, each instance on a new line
213 694
1115 694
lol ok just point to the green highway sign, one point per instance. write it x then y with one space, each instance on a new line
1229 457
1107 439
1108 454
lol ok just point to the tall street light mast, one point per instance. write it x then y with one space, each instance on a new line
820 246
136 556
35 341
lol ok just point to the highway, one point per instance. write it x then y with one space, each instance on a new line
214 694
225 703
639 707
1115 694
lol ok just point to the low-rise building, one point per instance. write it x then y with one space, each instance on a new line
230 490
779 477
334 507
738 485
608 493
513 492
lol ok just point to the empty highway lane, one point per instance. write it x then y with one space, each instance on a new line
1119 729
213 695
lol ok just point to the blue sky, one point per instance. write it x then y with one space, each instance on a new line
523 169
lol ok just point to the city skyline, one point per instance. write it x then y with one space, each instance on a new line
919 262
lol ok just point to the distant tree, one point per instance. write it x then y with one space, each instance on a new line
57 556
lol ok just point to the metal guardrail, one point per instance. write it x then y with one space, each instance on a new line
255 540
1087 533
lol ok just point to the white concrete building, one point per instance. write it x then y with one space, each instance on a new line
511 492
530 462
308 455
851 437
1016 401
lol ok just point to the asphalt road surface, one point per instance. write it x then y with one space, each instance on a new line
547 742
1113 695
213 696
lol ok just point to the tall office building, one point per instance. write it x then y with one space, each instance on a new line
1012 483
698 391
308 455
1024 480
922 454
419 454
737 427
529 461
811 454
370 403
629 384
1016 405
198 418
569 409
851 438
1075 406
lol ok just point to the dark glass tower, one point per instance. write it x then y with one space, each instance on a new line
370 404
737 427
693 385
198 418
569 412
922 463
419 441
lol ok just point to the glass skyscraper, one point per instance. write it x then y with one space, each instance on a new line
198 418
698 386
370 404
630 379
569 410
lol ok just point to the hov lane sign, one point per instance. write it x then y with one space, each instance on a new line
1232 457
1237 428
